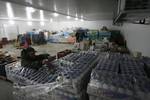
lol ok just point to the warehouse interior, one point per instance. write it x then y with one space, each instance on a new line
74 50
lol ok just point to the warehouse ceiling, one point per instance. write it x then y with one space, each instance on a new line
133 11
91 10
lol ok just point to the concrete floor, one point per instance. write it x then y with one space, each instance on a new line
6 88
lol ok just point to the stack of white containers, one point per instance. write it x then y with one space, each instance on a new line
30 84
68 81
76 69
119 77
28 76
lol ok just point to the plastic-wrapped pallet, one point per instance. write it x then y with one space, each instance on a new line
10 69
27 76
125 58
110 88
60 94
124 81
142 87
132 70
76 68
131 66
35 92
75 72
34 85
99 85
136 69
108 65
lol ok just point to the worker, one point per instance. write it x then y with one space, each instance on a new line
80 34
30 60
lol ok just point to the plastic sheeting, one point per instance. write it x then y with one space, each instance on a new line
27 76
34 92
76 68
68 82
119 77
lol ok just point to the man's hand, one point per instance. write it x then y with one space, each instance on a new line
45 61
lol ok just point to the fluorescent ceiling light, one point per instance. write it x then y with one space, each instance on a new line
12 22
55 8
30 9
76 17
9 10
56 14
29 23
68 17
22 19
41 15
28 12
42 23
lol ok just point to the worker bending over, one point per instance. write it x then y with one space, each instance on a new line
30 60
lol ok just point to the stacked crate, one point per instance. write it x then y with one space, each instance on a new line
32 84
119 77
68 81
76 69
28 76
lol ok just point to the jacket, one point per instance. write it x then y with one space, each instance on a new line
32 62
